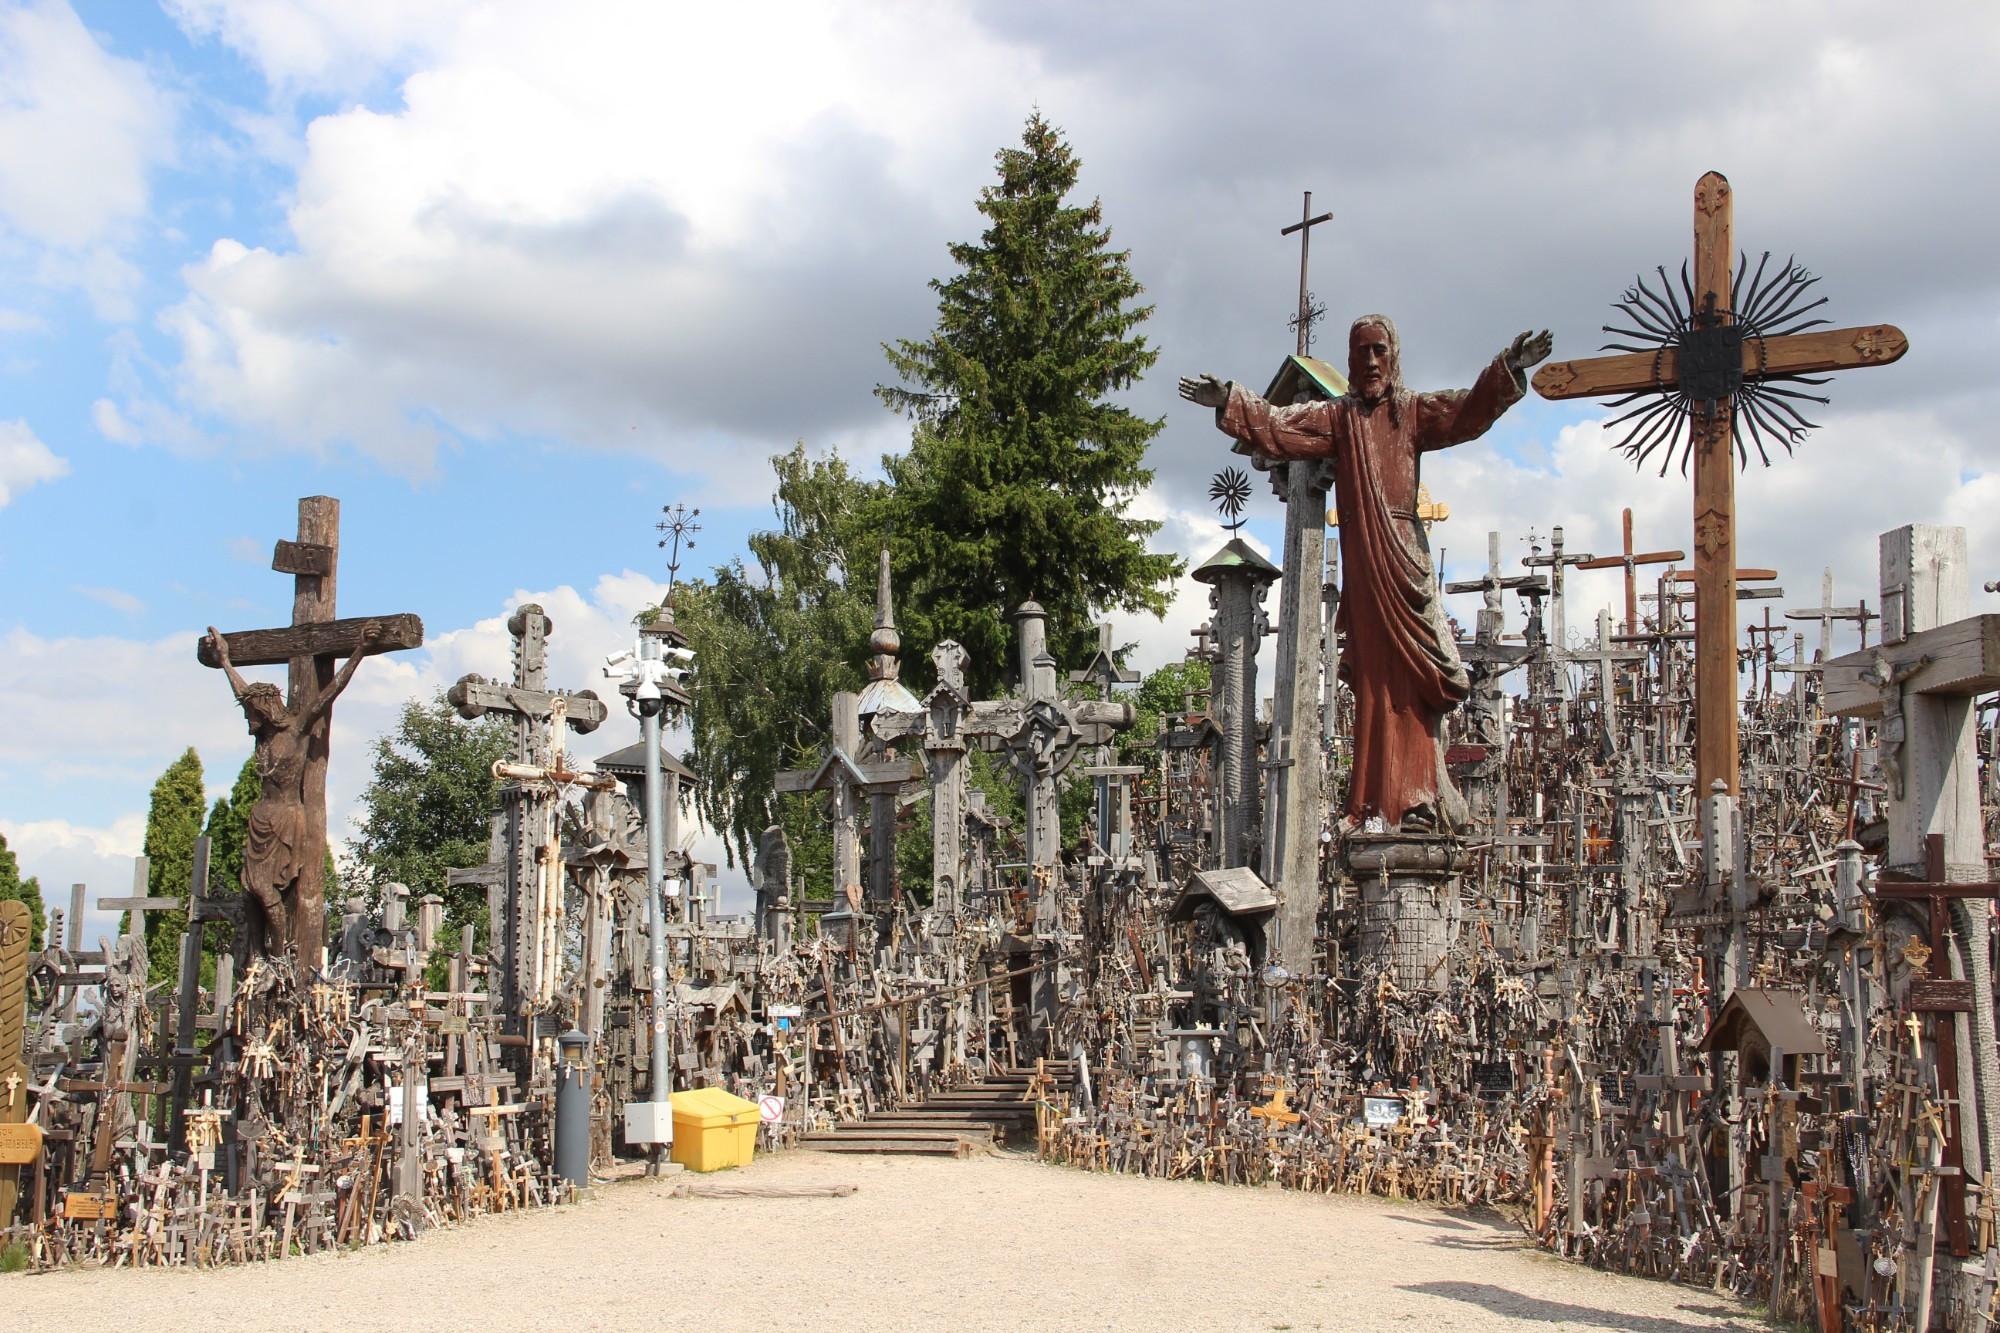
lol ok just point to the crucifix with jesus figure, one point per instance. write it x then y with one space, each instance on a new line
284 861
1709 375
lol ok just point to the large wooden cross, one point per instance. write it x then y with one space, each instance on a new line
308 647
1713 433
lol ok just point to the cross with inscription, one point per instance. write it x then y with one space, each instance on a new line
308 647
1714 367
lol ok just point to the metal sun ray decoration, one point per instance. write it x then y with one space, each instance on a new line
1230 491
1709 359
678 528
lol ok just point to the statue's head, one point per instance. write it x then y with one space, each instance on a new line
1374 358
263 706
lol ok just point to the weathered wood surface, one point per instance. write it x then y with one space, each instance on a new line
1794 354
472 696
1965 660
327 638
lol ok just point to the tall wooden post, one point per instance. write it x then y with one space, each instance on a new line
312 603
1714 508
15 925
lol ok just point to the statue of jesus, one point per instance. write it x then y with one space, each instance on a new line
281 888
1400 659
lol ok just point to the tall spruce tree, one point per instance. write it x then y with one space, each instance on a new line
173 822
1021 469
15 889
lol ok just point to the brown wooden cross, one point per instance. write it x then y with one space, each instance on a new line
308 647
1713 431
1630 562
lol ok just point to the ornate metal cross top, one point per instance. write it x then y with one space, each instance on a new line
1311 310
680 528
1708 348
1705 373
1230 491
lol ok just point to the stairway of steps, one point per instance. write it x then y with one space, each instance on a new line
955 1123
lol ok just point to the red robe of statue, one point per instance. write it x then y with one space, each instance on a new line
1400 660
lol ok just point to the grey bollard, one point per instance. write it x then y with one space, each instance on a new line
573 1110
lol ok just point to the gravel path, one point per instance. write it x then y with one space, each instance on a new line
998 1242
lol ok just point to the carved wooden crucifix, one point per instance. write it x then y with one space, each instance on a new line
308 648
1713 366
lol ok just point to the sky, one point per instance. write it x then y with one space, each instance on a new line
507 278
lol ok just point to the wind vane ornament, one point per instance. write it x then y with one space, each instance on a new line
1230 490
679 527
1707 374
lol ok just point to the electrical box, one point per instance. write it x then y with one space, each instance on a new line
649 1122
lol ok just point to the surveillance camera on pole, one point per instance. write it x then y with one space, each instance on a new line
649 683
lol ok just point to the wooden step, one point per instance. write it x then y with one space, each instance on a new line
941 1146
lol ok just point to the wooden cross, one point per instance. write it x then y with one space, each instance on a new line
1629 562
1826 613
1716 756
1303 227
308 648
1607 660
1556 562
1919 686
1939 1000
535 766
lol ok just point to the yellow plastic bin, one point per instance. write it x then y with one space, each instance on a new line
713 1129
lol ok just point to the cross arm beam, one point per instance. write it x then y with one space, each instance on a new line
1645 558
473 697
1793 354
1965 660
326 638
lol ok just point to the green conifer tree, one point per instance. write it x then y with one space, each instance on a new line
1022 468
173 822
15 889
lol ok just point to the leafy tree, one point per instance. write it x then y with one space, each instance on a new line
774 643
1161 695
429 806
173 822
15 889
1021 469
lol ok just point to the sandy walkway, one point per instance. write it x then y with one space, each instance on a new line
993 1243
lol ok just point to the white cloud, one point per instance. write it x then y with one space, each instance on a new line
60 853
587 220
25 461
115 598
80 130
320 44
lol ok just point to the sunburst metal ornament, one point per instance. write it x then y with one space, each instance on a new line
1708 373
1230 491
679 527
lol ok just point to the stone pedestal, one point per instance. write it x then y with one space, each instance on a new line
1409 903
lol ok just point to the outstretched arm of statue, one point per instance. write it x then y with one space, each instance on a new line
221 647
1445 419
1301 431
1204 389
371 632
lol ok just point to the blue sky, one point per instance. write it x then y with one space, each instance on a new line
508 277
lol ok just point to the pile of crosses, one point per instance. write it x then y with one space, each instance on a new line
1722 1039
276 1096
